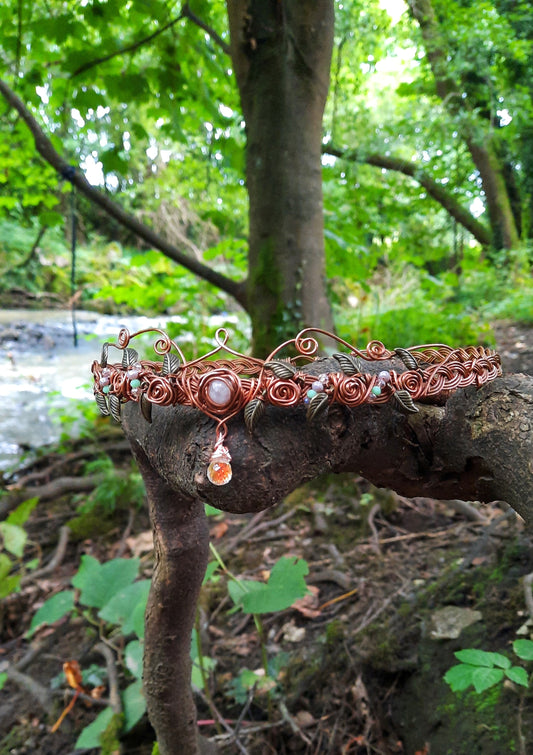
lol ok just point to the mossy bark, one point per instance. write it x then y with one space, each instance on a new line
450 88
478 446
281 54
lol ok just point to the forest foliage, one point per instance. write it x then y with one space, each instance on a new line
427 180
141 97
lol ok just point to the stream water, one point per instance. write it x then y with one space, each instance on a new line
42 372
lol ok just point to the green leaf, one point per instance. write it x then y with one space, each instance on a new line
518 675
285 586
196 673
90 736
51 218
9 585
21 514
127 607
52 610
212 566
459 677
98 583
482 658
3 679
134 704
5 565
483 677
524 649
133 658
14 538
208 663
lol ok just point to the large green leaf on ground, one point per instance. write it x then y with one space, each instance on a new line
99 583
285 585
127 607
52 610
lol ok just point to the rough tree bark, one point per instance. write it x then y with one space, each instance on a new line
281 55
477 446
480 144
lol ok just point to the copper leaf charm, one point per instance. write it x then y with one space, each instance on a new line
282 370
171 364
114 406
405 401
101 402
103 358
129 357
146 408
317 406
407 358
253 412
350 365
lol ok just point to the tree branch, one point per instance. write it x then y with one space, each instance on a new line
129 48
46 150
181 545
480 144
186 12
434 189
478 446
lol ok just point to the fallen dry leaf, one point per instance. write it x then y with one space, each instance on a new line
142 543
308 605
218 530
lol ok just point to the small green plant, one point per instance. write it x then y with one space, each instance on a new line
13 541
482 669
286 584
115 487
112 599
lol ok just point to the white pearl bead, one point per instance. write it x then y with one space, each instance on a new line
219 392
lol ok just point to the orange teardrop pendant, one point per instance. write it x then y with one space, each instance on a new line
219 469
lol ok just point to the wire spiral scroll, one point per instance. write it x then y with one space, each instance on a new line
222 386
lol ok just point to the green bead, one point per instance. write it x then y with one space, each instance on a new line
106 389
376 390
135 383
311 393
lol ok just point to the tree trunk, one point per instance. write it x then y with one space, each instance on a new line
181 544
502 222
281 54
477 446
504 230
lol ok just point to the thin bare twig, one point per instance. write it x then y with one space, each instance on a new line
123 545
123 50
372 615
527 581
25 682
187 13
375 535
220 718
112 676
292 723
253 527
54 562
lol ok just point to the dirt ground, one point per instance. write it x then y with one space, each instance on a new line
363 655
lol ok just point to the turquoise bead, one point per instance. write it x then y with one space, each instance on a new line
311 393
135 383
376 390
106 389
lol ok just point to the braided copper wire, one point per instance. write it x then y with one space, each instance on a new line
440 369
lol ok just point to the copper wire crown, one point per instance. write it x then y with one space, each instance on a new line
222 387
